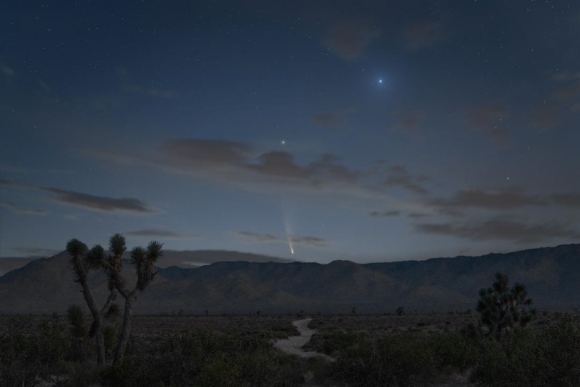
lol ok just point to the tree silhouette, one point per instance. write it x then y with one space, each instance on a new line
144 262
84 260
502 309
111 263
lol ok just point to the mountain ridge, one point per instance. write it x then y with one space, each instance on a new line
552 275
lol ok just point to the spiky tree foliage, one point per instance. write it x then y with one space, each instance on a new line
503 309
84 260
144 262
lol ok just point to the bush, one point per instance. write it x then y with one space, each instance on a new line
206 359
549 357
404 360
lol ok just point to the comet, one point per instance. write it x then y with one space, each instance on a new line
288 230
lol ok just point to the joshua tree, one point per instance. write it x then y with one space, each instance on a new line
502 309
144 263
84 260
112 264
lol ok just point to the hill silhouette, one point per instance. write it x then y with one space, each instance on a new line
552 276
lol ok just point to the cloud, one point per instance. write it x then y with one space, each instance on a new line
490 200
501 200
84 200
13 184
423 34
308 240
234 161
570 200
255 237
242 165
98 203
258 237
158 233
384 214
417 215
491 120
349 39
22 210
398 176
501 229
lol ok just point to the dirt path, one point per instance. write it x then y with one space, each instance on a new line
293 344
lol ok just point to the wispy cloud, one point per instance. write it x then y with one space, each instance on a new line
384 214
232 162
159 233
491 200
305 240
502 200
22 210
84 200
399 176
502 229
98 203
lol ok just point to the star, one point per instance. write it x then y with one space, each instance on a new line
283 142
380 81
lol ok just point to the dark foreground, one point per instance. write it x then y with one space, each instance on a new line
408 350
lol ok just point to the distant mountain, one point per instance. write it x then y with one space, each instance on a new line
183 258
552 276
8 263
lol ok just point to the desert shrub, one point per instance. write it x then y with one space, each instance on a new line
549 357
26 358
76 320
332 342
206 359
404 359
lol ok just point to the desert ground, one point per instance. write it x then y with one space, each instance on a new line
293 350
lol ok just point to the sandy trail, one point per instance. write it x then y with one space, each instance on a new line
293 344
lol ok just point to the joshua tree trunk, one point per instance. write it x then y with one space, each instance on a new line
98 324
125 329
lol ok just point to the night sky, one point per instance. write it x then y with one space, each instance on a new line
363 130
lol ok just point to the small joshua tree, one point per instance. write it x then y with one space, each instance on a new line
503 309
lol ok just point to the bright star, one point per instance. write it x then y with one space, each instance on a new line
283 142
380 81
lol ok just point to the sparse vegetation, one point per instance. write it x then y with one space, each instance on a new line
235 350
